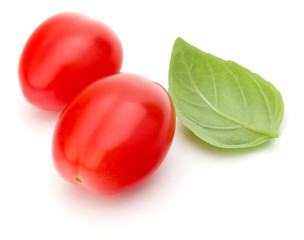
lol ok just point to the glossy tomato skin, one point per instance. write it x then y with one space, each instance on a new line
63 55
114 134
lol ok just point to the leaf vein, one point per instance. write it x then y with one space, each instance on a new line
191 103
214 83
260 131
242 92
210 126
265 99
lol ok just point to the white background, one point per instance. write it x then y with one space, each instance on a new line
199 192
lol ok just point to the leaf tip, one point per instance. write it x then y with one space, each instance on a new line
179 41
276 134
271 134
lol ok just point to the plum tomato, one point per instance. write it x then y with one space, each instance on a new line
63 55
115 133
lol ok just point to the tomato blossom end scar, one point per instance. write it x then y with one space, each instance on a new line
77 179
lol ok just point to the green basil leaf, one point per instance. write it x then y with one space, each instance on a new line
220 101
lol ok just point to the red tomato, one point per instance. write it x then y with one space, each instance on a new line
115 133
64 54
